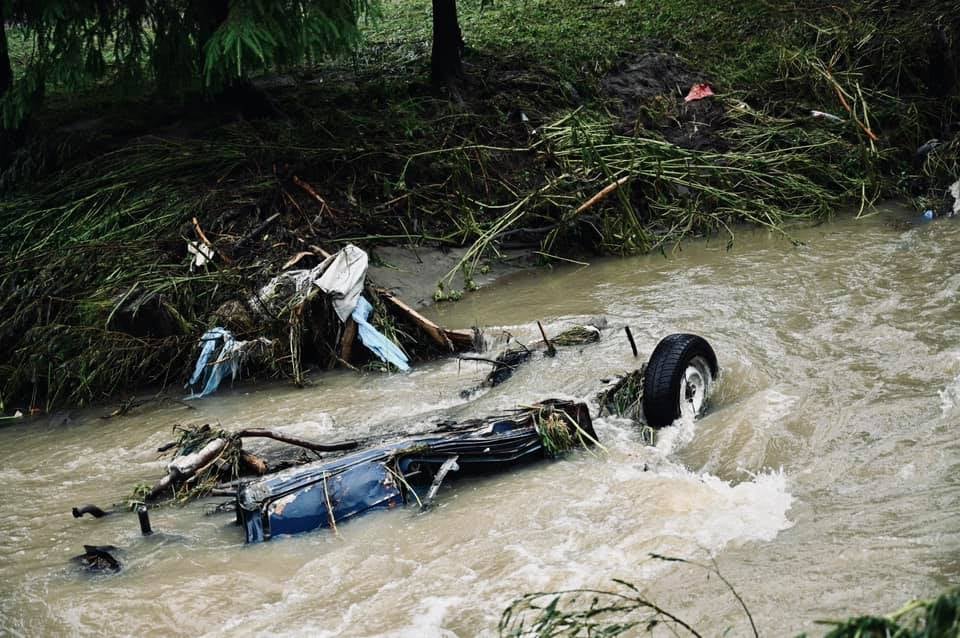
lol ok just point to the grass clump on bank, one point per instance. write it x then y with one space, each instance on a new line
97 205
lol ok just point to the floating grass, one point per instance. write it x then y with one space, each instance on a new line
625 397
555 434
577 336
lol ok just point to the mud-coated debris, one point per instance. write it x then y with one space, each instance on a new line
625 396
235 317
505 364
98 559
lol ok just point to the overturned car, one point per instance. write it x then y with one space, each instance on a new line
675 381
407 471
355 477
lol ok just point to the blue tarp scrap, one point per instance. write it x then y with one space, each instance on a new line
220 354
376 342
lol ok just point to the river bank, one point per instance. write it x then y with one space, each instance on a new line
823 479
570 137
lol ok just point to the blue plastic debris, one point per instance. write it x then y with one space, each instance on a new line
928 214
374 341
214 373
221 354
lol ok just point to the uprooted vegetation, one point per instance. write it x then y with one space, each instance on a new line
563 150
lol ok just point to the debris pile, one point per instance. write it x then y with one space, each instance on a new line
314 317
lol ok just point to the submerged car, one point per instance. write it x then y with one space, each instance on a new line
407 471
675 381
403 470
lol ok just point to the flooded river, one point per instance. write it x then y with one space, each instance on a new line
824 480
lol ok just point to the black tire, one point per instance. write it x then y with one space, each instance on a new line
664 378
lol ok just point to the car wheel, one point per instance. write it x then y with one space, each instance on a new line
678 379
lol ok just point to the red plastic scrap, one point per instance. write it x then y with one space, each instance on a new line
698 92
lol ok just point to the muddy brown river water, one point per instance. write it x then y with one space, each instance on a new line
824 480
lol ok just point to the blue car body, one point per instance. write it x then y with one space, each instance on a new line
328 492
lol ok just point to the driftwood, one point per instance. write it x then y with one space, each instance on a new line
295 440
183 467
450 340
346 341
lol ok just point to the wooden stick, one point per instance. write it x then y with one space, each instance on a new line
258 230
551 351
207 242
322 252
346 341
609 188
293 261
295 440
633 344
311 191
184 467
452 340
203 238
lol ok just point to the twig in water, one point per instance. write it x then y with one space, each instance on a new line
633 344
551 351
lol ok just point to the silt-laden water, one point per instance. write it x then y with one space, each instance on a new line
824 481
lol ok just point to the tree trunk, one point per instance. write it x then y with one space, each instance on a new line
445 65
6 72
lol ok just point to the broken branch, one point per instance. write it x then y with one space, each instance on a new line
311 191
295 440
599 197
551 351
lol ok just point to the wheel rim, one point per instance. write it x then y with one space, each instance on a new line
695 387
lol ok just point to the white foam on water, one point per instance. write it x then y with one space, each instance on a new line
429 618
950 395
719 512
675 436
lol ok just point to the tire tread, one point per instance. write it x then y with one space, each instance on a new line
661 384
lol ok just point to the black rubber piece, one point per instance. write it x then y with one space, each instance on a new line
144 517
664 376
93 510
